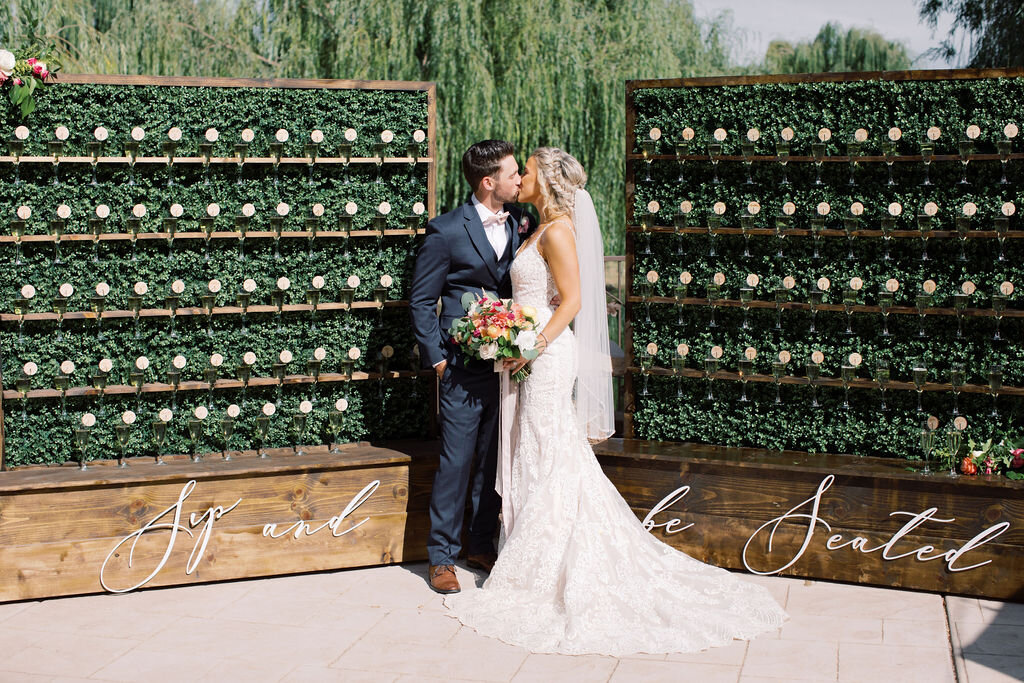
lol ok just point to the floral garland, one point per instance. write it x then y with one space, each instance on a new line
24 75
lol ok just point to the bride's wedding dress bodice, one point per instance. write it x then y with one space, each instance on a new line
578 573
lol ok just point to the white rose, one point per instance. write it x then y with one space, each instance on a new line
6 62
526 340
489 351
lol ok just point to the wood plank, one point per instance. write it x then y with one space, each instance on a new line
720 540
910 75
32 518
52 569
179 469
847 503
209 82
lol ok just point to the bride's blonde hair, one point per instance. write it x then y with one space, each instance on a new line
559 175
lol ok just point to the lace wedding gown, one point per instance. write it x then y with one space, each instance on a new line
578 573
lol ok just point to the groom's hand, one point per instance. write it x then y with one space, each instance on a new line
439 368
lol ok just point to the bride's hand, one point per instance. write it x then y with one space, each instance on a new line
514 365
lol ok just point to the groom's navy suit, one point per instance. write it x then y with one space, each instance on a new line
456 258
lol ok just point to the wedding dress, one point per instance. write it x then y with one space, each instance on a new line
578 573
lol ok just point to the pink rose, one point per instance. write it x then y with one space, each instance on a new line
44 74
1017 452
17 81
31 61
3 77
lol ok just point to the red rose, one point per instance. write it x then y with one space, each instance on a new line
31 61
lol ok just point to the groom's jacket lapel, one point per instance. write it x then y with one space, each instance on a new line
478 237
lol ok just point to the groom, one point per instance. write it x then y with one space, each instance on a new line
466 250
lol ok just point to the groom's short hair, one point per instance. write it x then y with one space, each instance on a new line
484 159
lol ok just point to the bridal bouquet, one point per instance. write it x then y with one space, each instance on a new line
496 329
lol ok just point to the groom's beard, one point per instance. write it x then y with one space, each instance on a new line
511 199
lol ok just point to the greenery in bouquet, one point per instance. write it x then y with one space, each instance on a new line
24 73
496 329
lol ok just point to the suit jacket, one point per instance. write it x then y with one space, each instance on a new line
456 258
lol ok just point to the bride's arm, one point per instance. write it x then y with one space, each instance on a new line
558 247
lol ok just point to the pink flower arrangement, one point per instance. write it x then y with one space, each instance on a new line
494 329
25 76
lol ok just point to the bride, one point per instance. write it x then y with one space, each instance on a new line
577 572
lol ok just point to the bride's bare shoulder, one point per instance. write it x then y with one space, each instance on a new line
558 234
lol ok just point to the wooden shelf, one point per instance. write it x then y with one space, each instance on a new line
217 235
161 387
835 159
215 161
194 310
823 381
828 232
839 308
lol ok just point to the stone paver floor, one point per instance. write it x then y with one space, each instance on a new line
384 624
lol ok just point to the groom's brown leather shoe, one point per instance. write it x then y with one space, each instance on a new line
442 578
484 561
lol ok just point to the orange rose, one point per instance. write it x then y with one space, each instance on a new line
493 332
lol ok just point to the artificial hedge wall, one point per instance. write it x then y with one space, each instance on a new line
377 409
843 107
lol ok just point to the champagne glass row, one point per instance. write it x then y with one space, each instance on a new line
882 381
819 151
924 301
132 140
314 297
197 428
244 373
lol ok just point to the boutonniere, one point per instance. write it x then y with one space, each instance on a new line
524 225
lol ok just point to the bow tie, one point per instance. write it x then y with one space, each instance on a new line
496 219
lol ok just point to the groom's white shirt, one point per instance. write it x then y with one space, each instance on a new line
495 232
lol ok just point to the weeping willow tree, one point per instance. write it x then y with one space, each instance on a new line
536 73
835 50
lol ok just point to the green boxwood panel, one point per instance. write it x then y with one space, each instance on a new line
843 107
40 431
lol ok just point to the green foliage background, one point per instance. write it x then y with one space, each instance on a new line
517 71
390 409
843 107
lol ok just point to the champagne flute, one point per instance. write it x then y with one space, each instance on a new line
919 372
998 307
710 368
83 435
960 305
778 372
882 378
995 383
336 421
957 376
782 153
299 419
159 426
927 445
745 368
646 361
263 428
227 428
678 365
954 438
922 302
813 371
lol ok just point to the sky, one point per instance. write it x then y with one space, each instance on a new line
762 21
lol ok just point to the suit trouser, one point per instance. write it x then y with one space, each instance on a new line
469 417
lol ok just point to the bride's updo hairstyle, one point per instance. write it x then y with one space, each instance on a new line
560 175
